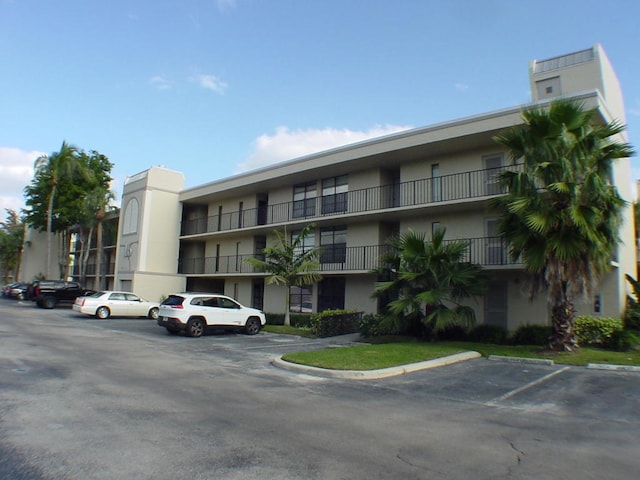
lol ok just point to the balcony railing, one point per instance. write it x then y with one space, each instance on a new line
459 186
107 269
485 251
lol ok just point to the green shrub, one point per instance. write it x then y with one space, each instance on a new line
596 331
454 333
631 316
531 335
335 322
299 320
378 325
623 341
488 334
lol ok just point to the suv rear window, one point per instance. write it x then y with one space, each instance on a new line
173 301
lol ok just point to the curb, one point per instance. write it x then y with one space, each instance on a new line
374 374
617 368
534 361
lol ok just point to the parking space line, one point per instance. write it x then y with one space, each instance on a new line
518 390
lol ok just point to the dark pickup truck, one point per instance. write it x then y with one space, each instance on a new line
49 293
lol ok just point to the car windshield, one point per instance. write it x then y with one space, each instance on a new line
173 301
96 294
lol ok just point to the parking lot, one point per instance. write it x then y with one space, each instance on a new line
534 421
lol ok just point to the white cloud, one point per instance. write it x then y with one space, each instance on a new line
224 5
287 144
16 171
211 82
461 86
160 82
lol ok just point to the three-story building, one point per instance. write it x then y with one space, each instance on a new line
360 196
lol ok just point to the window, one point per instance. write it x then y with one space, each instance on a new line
301 298
226 303
333 241
436 190
435 226
304 200
259 244
331 294
308 243
495 248
130 221
549 87
334 194
495 304
493 168
257 293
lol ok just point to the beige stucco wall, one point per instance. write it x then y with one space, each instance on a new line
147 258
34 256
357 295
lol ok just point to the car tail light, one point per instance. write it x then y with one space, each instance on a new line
177 306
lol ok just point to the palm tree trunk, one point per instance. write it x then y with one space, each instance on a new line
287 306
563 337
49 226
98 284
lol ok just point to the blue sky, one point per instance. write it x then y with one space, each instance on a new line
215 87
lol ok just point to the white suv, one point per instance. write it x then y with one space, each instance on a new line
193 313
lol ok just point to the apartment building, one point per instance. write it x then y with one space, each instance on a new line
359 196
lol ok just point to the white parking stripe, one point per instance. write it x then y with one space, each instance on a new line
516 391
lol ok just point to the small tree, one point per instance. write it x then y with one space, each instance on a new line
92 210
289 264
46 211
428 282
11 238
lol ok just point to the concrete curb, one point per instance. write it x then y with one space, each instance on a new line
373 374
617 368
534 361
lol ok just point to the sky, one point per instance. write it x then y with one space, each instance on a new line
212 88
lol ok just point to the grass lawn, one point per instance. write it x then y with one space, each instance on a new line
400 351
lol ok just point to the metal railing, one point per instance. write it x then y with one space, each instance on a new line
485 251
107 269
459 186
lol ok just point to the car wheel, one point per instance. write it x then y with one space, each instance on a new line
102 313
195 327
153 313
20 296
47 302
252 326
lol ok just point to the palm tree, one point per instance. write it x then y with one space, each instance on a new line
288 263
561 214
11 240
62 165
103 197
429 281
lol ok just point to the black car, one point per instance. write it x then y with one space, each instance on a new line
19 291
49 293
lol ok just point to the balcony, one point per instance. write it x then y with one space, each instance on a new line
488 252
459 186
107 269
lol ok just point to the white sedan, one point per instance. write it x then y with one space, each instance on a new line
117 304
